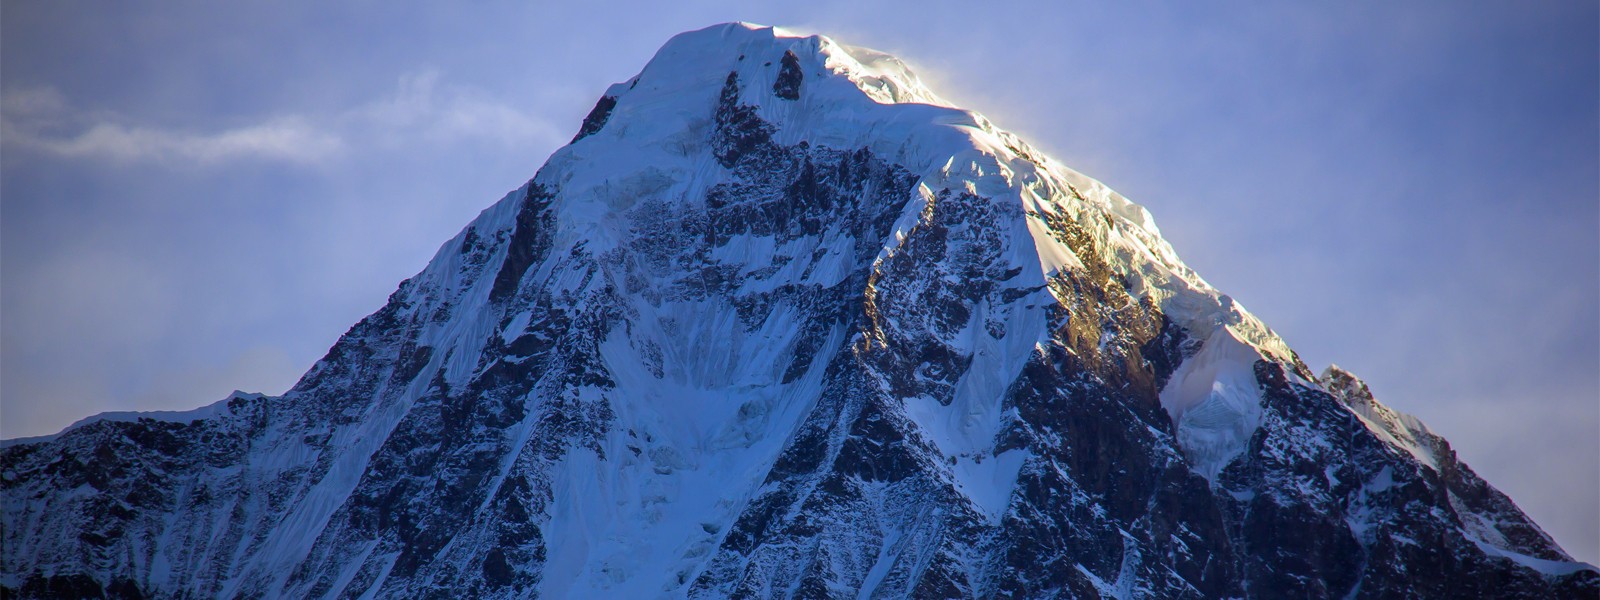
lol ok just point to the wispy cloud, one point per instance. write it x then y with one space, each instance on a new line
43 121
422 107
289 139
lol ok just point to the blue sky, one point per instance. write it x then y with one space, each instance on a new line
197 198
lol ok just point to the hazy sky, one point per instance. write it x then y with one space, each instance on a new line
198 197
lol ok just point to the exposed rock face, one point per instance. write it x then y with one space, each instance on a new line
743 341
596 118
790 76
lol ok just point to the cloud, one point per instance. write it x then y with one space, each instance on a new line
43 121
32 102
423 108
288 139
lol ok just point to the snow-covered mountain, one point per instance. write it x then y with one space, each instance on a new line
780 322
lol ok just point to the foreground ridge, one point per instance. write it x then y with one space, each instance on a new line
782 322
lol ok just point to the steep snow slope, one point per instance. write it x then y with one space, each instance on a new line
781 322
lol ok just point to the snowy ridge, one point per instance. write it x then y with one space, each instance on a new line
782 323
1400 429
864 98
208 411
1408 434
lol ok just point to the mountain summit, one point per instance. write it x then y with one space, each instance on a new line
780 322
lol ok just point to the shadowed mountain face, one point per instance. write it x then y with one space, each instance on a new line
782 323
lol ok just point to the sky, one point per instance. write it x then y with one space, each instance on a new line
198 197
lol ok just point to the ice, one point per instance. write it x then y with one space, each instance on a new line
1215 402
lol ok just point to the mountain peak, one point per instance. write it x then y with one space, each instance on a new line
779 322
840 96
828 90
756 53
